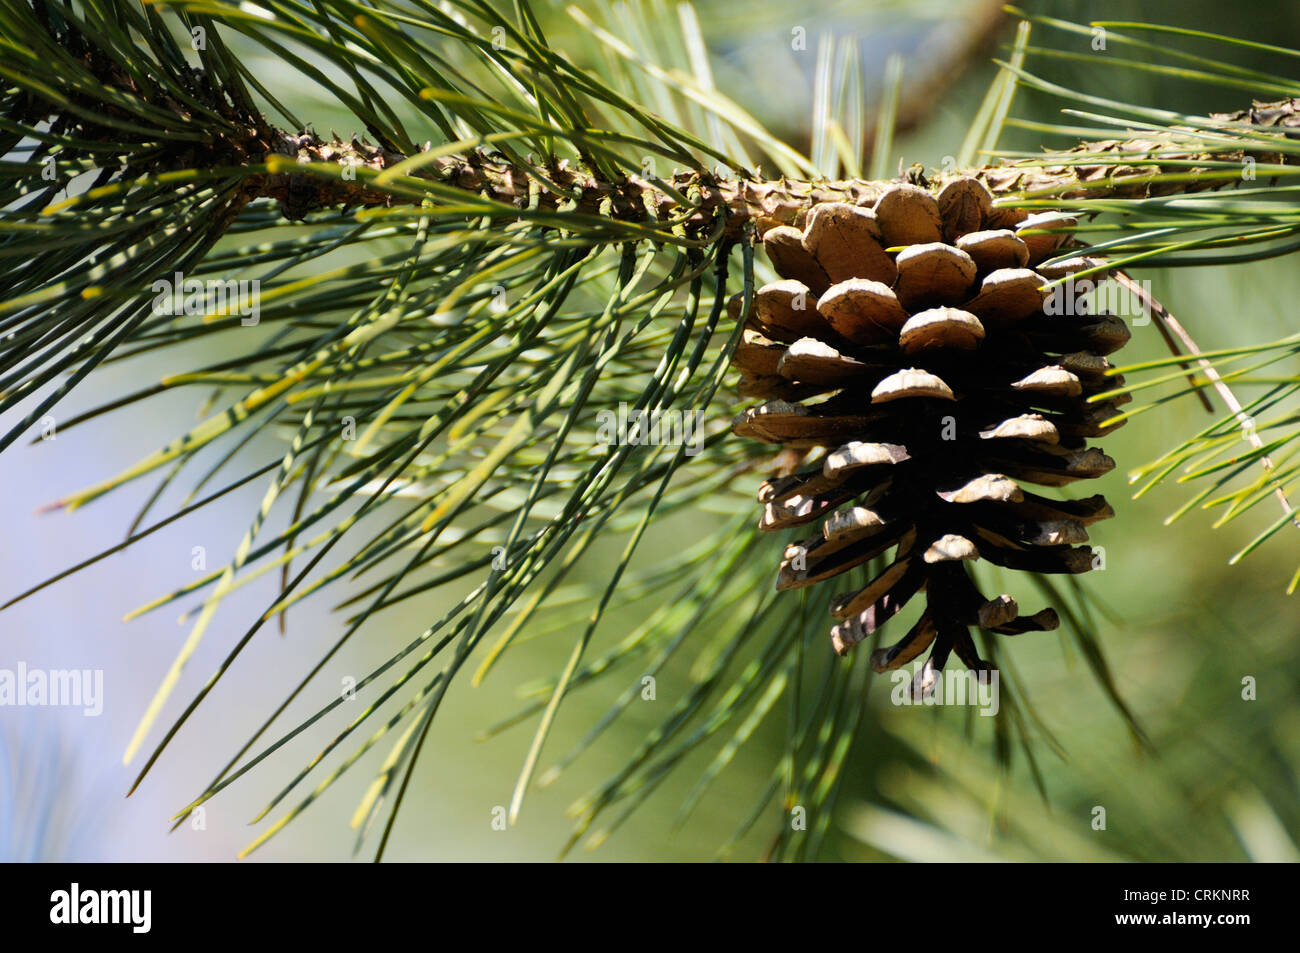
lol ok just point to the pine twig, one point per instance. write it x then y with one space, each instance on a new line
1159 313
766 203
1164 317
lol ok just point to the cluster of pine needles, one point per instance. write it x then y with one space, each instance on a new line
437 364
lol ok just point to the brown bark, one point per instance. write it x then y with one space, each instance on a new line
764 203
249 139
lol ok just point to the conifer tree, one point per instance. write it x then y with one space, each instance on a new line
537 298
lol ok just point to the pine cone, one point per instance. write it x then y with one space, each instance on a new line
925 386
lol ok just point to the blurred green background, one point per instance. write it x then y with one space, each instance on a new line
1182 632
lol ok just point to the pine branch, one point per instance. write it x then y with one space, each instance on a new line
1165 318
305 173
1118 168
523 292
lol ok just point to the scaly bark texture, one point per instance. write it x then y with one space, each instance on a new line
765 203
244 138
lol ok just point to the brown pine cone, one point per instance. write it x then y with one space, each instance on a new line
925 386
